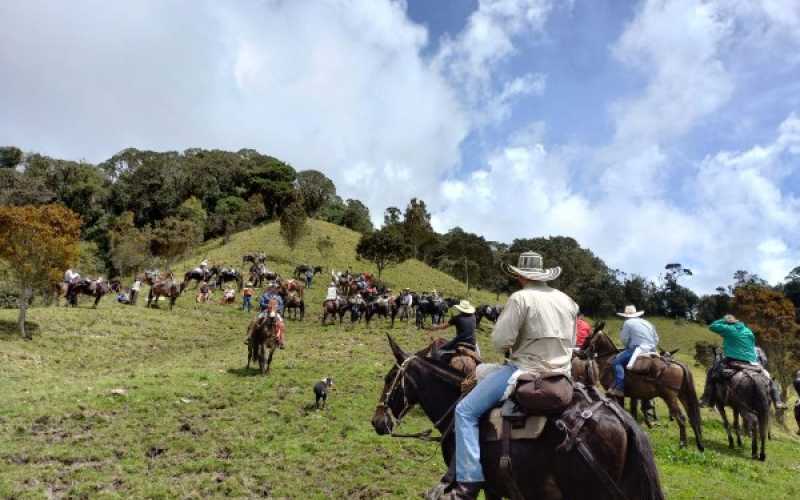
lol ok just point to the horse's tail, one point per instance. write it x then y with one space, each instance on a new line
690 399
640 479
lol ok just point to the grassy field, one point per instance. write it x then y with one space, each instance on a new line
128 402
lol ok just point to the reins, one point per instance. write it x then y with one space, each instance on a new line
400 378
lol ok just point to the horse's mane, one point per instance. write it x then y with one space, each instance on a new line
425 355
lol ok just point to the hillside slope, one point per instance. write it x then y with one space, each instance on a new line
129 402
266 238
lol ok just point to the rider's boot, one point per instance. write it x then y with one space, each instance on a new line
707 399
464 491
776 396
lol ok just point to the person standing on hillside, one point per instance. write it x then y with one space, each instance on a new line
583 330
309 278
637 333
137 284
536 332
247 297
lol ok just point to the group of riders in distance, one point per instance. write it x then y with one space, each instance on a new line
528 427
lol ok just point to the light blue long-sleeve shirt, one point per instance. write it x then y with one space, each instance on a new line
638 332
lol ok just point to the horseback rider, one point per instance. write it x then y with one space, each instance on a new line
536 331
464 322
738 347
272 293
332 292
70 276
584 329
637 333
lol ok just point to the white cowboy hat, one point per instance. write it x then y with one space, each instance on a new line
465 307
630 312
530 266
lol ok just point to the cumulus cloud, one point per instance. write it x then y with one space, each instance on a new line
338 86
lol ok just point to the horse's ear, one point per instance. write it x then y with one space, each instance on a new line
399 354
599 326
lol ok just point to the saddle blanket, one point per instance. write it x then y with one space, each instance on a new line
531 427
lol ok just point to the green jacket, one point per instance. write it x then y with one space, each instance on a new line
738 341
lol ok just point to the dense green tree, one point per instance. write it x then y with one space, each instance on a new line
10 156
384 248
417 224
271 178
392 216
333 211
677 301
174 238
316 190
791 288
712 307
356 217
293 224
129 246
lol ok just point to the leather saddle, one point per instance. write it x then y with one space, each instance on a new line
522 425
650 364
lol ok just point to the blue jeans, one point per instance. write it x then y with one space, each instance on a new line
468 413
246 303
620 362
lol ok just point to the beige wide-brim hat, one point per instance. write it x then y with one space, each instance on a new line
630 312
465 307
530 266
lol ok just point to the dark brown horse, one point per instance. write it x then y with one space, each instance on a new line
675 383
255 258
93 288
292 286
620 451
262 337
748 393
165 287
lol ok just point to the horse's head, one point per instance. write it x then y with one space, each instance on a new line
398 394
415 378
598 343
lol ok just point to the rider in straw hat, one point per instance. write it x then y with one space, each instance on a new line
464 322
536 332
637 333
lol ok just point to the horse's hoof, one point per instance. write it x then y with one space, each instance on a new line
436 492
701 448
762 457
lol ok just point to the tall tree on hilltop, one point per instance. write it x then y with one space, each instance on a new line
293 224
384 248
316 189
678 301
129 246
771 316
10 156
356 217
39 243
392 216
417 224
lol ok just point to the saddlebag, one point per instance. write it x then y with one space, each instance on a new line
543 394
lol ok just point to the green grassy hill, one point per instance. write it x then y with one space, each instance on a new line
128 402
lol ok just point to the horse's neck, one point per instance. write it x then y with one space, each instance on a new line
436 397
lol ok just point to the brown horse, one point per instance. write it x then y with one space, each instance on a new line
165 287
747 391
291 285
612 457
675 383
294 303
262 336
334 308
93 288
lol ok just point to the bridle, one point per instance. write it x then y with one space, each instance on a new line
400 379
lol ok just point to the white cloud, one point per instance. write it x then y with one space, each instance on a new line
339 86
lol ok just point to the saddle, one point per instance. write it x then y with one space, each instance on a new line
731 368
519 424
649 364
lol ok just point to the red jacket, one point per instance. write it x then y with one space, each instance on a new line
583 331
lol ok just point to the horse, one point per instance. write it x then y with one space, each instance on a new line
797 404
486 311
255 258
747 393
166 287
378 307
198 275
436 309
334 308
262 336
301 270
294 303
612 460
226 274
675 383
93 288
292 286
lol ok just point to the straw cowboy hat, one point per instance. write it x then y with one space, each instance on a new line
465 307
531 267
630 312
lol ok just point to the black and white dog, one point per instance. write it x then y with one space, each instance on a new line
321 391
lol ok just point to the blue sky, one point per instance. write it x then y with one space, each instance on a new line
652 131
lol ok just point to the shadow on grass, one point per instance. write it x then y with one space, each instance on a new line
244 371
10 330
